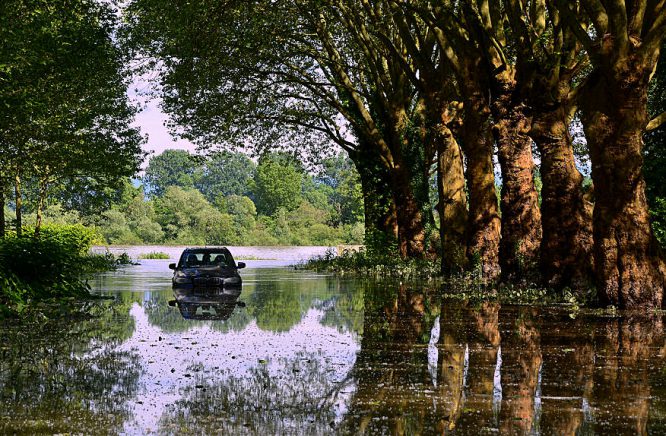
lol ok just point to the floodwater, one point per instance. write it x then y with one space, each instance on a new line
303 353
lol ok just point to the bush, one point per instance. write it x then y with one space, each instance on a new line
386 264
46 266
154 255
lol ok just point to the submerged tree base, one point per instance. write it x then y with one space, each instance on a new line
468 285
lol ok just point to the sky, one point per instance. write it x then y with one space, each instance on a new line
151 121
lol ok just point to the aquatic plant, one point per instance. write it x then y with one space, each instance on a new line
154 255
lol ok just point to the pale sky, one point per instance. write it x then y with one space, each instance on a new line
151 121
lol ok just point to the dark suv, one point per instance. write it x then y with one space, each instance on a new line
210 267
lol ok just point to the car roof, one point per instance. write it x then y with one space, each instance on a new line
205 249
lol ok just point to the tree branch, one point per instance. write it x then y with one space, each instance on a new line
656 122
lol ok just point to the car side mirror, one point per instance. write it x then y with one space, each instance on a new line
172 266
172 303
241 265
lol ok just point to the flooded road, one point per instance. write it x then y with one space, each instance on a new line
303 353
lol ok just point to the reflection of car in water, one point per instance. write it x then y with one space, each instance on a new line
207 304
202 268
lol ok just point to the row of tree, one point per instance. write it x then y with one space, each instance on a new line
228 199
407 86
65 119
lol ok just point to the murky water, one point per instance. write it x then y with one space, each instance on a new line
304 353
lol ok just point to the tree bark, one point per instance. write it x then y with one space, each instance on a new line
19 205
452 205
521 217
630 271
483 227
411 231
566 215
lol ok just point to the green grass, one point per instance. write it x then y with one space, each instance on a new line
154 255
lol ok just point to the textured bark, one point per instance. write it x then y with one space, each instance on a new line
566 215
452 205
521 217
411 231
483 226
629 269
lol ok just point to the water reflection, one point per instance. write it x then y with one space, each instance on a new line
217 304
317 354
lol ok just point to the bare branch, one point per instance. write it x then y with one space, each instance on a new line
656 122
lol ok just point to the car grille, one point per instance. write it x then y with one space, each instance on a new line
208 281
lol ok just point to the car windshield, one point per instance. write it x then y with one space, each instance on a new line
199 258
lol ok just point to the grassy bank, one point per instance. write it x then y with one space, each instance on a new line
365 263
52 265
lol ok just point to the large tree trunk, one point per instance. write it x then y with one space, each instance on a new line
630 271
452 205
411 230
566 215
521 218
483 227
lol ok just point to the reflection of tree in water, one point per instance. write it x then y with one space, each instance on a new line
468 350
391 370
521 365
64 376
295 395
517 370
567 373
627 349
344 309
279 305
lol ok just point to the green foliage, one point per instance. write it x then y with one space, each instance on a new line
50 265
171 168
64 85
385 264
187 218
180 215
658 213
226 174
276 185
154 255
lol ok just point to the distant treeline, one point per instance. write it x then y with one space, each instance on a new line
225 199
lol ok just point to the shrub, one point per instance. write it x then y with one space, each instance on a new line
154 255
47 266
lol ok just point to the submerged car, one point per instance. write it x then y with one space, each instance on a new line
206 268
